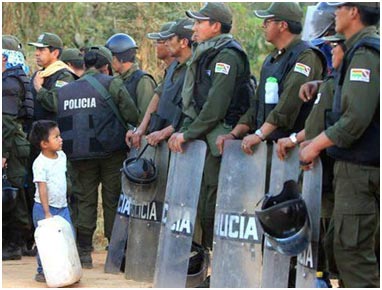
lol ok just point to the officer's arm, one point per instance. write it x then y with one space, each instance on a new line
145 92
152 107
360 99
48 98
124 102
224 70
308 67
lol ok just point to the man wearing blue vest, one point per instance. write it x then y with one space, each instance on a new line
352 139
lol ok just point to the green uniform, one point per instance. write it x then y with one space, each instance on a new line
357 188
210 118
145 90
89 174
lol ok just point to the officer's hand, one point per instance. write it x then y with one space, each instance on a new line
283 147
221 139
38 81
175 142
308 91
4 162
133 138
158 136
307 155
249 142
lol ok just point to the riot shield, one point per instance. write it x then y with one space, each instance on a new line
145 219
307 260
275 265
119 233
237 256
182 194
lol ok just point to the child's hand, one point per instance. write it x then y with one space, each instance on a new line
48 215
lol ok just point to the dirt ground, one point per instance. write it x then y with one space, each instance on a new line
20 274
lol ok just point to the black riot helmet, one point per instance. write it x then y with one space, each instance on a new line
9 195
120 42
139 170
285 220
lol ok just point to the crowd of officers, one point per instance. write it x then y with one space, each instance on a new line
328 104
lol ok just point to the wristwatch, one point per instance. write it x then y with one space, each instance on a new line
259 133
293 138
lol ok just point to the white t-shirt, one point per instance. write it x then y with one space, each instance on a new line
53 172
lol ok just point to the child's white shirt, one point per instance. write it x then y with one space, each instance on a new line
53 172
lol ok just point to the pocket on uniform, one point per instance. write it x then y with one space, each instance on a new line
21 146
347 231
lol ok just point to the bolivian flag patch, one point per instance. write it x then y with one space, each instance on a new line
60 84
302 69
222 68
360 75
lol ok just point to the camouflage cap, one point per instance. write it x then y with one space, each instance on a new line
156 35
179 28
11 42
363 4
289 11
102 50
71 54
217 11
48 39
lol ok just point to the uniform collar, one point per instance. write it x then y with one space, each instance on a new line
129 72
367 31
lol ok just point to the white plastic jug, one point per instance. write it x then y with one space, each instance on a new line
58 252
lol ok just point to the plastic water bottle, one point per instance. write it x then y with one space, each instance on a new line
320 282
271 91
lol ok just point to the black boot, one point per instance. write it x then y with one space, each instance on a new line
11 252
85 249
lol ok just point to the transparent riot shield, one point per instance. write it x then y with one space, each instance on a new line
275 265
119 233
145 219
307 260
237 253
182 194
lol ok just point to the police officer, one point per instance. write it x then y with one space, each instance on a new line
323 93
164 113
15 147
352 139
216 71
162 51
93 114
53 75
74 59
139 84
279 112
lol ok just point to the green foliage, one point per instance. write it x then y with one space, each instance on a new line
92 23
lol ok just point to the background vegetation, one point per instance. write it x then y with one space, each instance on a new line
85 23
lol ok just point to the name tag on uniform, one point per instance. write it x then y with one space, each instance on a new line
360 75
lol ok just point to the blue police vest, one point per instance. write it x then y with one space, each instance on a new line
366 149
88 125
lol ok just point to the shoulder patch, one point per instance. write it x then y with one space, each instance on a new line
360 75
302 69
222 68
60 84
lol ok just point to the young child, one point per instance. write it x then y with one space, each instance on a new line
49 175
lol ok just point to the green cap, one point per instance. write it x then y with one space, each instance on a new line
217 11
288 11
334 38
11 42
156 35
48 40
102 50
179 28
71 54
364 4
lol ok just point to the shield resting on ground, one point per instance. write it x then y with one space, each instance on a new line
307 260
119 233
275 265
145 219
182 195
237 256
